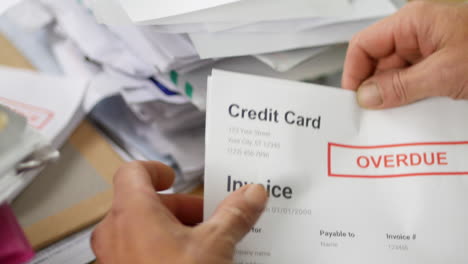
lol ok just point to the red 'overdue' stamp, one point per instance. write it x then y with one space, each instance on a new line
398 160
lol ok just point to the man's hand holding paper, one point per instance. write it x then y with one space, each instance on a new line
146 227
345 184
416 53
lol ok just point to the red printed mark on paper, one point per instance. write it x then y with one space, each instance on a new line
37 117
398 160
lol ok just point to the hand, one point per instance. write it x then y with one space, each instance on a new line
146 227
418 52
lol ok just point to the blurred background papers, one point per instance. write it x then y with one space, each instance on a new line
51 105
286 35
146 63
138 70
6 4
186 11
235 28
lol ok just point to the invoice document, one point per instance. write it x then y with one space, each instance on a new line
345 185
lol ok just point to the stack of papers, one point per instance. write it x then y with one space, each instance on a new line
180 147
151 58
179 42
226 28
136 51
51 105
187 39
6 4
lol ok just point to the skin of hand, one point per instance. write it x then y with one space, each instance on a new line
146 227
418 52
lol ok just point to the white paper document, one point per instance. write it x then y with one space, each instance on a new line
96 41
226 44
360 9
160 8
273 36
6 4
51 105
286 60
345 185
146 12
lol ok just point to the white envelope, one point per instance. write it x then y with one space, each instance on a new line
360 9
286 60
199 27
240 11
273 36
109 12
239 44
140 10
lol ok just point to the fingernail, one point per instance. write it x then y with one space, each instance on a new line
368 95
256 196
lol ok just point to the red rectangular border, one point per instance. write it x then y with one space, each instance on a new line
331 144
49 113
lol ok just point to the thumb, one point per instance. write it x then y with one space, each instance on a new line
235 216
403 86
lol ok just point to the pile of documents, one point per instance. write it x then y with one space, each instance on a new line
52 107
225 28
282 35
149 61
143 68
37 114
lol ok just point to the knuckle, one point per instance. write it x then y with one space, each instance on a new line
131 165
446 75
459 80
214 236
181 234
118 213
119 218
96 242
416 6
232 218
400 88
123 170
355 40
240 215
418 9
227 241
460 92
197 247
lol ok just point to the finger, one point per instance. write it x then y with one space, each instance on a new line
135 186
142 176
403 33
236 215
403 86
364 51
188 209
98 236
392 62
